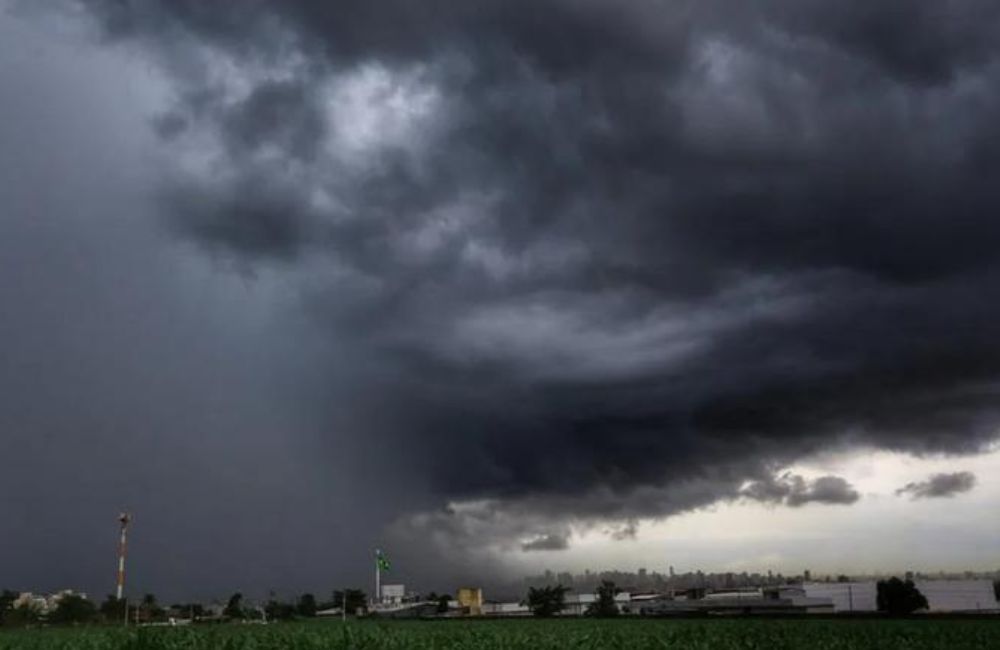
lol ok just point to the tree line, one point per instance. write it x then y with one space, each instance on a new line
549 601
70 609
76 609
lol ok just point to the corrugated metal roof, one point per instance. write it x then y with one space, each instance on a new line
942 595
846 596
958 595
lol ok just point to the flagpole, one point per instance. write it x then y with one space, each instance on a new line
378 577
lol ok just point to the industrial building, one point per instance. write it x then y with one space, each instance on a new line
392 594
470 600
577 604
958 596
847 597
777 600
809 598
395 602
505 609
943 596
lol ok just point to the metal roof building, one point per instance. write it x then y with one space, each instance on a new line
958 595
846 596
942 595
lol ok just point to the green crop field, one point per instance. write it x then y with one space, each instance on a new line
528 634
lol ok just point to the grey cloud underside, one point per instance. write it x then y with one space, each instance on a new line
627 531
549 542
795 491
939 485
613 261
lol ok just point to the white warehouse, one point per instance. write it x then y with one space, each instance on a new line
958 595
942 595
846 596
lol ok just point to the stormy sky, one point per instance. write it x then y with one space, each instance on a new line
492 284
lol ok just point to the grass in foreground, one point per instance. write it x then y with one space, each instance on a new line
529 634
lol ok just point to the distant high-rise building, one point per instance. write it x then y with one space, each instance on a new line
807 574
672 571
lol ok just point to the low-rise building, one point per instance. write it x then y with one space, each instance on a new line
953 596
577 604
332 611
847 597
470 599
958 596
392 594
777 600
506 609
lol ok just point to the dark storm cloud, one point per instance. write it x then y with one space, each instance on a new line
138 374
612 261
939 485
277 113
794 490
922 43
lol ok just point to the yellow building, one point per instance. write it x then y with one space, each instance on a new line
471 598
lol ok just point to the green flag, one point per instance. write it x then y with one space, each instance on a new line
381 561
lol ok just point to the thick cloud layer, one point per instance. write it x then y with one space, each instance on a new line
605 261
939 485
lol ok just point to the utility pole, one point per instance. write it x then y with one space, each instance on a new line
123 519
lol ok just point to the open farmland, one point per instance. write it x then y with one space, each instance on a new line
533 634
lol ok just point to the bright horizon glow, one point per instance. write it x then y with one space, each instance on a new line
895 533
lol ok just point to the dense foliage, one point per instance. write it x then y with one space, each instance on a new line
7 598
604 606
113 609
234 608
306 605
356 600
546 601
533 634
73 609
899 598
